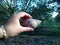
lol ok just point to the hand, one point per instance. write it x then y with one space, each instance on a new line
13 26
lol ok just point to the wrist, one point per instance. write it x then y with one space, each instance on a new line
4 34
1 33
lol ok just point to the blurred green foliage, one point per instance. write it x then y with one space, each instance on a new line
39 9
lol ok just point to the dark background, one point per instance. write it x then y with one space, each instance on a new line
48 11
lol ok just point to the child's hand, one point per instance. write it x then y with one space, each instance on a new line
13 26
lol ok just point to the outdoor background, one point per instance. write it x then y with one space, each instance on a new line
48 11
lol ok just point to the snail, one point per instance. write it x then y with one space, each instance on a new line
30 23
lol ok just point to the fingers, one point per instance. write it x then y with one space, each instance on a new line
27 29
26 17
22 15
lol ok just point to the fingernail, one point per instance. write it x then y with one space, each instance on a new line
32 29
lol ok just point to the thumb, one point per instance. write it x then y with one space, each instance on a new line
27 29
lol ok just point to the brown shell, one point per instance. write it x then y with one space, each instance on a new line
30 23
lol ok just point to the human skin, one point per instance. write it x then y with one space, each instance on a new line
13 26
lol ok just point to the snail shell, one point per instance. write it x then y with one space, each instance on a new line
30 23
